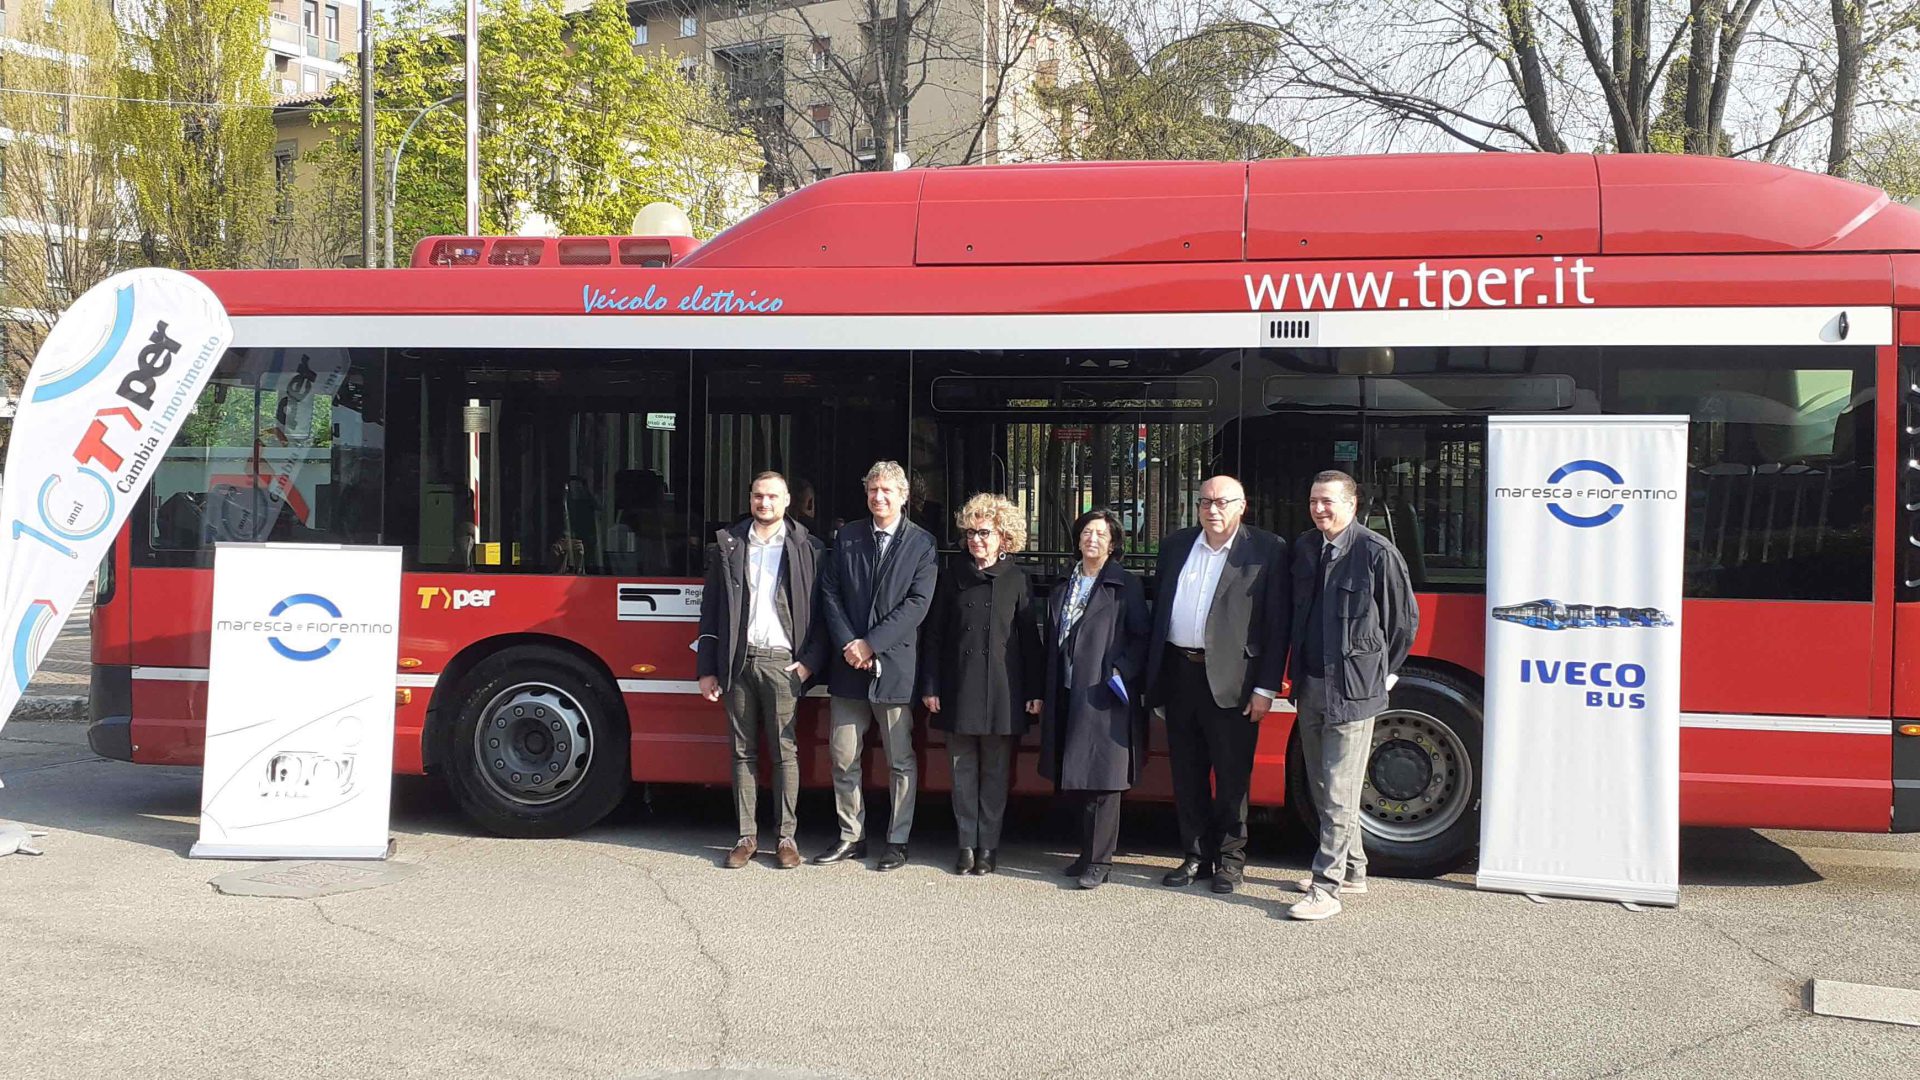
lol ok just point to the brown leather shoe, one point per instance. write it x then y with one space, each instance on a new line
788 856
742 852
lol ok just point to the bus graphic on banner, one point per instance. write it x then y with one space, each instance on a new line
1554 615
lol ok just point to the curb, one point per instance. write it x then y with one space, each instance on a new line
58 708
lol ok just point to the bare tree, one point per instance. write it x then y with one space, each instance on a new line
852 83
1165 79
1704 76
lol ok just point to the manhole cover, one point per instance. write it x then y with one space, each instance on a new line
306 880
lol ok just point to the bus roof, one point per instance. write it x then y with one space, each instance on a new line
1389 206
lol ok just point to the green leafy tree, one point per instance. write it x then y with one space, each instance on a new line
575 126
199 131
66 217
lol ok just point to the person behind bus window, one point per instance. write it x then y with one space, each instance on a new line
1219 652
875 591
805 508
1353 624
929 514
761 643
1093 726
980 671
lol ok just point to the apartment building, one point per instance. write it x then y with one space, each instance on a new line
305 42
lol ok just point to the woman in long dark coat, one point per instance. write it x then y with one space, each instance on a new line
981 673
1093 735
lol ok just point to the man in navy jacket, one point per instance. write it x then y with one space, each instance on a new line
875 589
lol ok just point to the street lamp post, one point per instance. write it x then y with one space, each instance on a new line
366 132
393 169
473 117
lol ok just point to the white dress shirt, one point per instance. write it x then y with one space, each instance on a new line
764 558
1193 596
1193 591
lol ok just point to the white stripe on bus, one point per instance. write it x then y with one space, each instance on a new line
1132 330
1815 725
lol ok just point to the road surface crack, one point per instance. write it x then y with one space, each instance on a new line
1782 1017
722 1051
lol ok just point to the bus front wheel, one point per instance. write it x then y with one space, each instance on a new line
1420 799
538 744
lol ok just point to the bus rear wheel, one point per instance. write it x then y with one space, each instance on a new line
538 744
1420 800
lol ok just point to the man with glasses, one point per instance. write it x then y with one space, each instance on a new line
1214 661
1353 624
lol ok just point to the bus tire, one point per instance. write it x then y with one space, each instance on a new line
1420 803
538 744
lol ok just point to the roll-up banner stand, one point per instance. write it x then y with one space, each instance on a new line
300 685
1586 531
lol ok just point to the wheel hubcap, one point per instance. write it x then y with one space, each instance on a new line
533 743
1418 778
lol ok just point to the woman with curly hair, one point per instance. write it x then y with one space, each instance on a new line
981 676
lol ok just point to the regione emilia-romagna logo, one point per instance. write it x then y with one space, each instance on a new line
1586 494
305 627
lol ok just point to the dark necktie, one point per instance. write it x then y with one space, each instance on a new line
880 547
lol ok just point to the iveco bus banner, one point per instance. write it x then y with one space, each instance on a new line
117 377
300 680
1586 537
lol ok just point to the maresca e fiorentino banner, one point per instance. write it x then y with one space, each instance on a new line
118 375
1586 539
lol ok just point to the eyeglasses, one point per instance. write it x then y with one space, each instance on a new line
1205 503
976 534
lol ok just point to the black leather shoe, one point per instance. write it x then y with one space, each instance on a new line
1075 868
1223 884
842 851
1187 873
964 864
1095 877
894 859
987 863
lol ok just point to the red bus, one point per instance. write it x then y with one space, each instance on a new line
553 429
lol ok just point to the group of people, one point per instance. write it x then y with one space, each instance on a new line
1239 616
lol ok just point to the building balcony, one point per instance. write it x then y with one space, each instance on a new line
285 37
288 38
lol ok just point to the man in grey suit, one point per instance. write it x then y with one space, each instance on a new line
875 590
1353 624
1215 661
760 643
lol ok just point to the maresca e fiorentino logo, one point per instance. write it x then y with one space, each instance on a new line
1586 493
305 626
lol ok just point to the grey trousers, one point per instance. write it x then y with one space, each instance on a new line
764 696
1336 758
848 720
982 770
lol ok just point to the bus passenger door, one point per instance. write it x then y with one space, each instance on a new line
1060 432
1903 537
821 419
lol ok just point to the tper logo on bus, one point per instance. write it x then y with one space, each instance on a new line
454 599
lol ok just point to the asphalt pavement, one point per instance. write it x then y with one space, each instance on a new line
628 952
